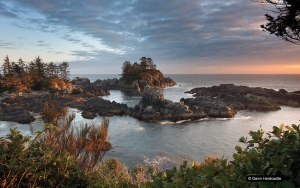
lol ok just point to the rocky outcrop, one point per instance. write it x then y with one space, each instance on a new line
169 82
137 86
243 97
106 84
153 107
35 101
81 81
104 107
16 114
147 109
84 86
88 115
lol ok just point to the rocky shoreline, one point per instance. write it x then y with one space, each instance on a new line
83 95
222 101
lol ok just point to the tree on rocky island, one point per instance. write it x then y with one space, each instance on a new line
284 20
138 71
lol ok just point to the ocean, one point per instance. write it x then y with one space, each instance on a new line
166 143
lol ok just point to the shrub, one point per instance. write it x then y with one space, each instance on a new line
29 163
87 143
277 154
110 173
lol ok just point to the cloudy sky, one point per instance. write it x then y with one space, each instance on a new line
186 37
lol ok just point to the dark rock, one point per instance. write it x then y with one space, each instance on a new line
153 107
169 82
106 84
283 91
16 114
81 81
155 80
77 90
243 97
88 115
104 107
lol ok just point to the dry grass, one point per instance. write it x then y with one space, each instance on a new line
87 143
208 160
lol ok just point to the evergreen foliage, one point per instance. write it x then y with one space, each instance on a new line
284 20
35 75
145 70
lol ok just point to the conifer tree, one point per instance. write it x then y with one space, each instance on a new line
39 68
6 67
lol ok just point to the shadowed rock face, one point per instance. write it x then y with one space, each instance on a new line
16 114
104 107
137 86
153 107
243 97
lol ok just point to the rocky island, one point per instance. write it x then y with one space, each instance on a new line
222 101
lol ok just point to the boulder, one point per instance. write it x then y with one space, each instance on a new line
88 115
106 84
169 82
16 114
80 81
104 107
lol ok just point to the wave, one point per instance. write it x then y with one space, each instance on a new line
183 121
139 128
163 160
243 117
166 122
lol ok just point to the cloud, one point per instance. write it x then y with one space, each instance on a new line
41 43
6 44
205 31
7 11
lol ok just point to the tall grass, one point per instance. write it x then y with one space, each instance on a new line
86 143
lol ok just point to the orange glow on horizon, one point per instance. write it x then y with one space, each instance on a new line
248 69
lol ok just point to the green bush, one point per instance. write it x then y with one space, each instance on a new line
277 154
29 163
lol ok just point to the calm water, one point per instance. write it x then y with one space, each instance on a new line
167 143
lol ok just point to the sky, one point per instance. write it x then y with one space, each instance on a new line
182 37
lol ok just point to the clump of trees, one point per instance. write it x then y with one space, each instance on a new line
35 75
145 70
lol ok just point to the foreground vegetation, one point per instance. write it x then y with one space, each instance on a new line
69 160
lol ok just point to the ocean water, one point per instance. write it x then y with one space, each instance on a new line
165 143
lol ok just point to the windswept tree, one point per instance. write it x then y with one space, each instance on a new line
151 63
144 63
64 70
283 20
51 70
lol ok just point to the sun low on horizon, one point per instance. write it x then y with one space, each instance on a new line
195 37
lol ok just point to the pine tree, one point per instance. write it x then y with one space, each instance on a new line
6 67
39 68
64 70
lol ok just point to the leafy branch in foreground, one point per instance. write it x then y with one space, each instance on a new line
286 23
